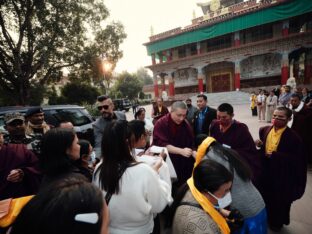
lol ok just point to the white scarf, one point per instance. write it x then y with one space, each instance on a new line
299 108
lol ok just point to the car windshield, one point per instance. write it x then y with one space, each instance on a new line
76 117
126 102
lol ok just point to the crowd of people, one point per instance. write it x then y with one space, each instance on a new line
222 180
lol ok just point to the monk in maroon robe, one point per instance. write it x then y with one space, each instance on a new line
175 133
284 170
301 123
236 135
19 174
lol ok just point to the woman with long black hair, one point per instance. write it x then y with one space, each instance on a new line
133 191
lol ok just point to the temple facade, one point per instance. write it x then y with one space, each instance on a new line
236 44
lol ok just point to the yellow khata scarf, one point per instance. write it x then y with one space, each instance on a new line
253 101
199 197
273 140
10 208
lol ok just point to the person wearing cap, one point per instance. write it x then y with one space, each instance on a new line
35 121
106 107
14 124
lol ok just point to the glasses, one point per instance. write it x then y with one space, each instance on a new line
105 107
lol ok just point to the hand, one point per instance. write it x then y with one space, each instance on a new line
15 175
258 143
163 154
194 154
141 153
148 152
186 152
157 164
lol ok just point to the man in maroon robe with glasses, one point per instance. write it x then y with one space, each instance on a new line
174 132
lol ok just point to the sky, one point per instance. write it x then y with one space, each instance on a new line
138 16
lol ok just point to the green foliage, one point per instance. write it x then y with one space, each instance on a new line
75 93
128 85
92 109
141 95
143 75
40 38
37 92
36 95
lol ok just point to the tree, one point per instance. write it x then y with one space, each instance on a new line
40 38
75 93
143 75
128 85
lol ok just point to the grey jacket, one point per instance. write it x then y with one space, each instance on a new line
98 128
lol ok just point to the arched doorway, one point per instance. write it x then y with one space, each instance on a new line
220 77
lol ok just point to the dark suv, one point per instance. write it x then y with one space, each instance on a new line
122 104
55 114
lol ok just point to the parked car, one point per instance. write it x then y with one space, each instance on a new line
122 104
56 114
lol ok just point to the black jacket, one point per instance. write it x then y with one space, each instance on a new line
210 115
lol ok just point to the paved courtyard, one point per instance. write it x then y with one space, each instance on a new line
301 210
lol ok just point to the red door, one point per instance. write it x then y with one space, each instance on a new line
221 83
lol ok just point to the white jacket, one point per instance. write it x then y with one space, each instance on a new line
142 194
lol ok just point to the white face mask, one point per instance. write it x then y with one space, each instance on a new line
224 201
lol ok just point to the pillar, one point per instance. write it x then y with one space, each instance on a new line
285 29
198 48
237 75
188 51
236 39
285 68
171 85
156 92
200 77
296 69
163 84
153 59
169 55
160 57
307 68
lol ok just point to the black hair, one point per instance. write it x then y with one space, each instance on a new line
54 159
115 154
139 112
286 110
137 128
84 147
208 175
199 139
296 95
235 161
202 96
102 98
226 107
54 208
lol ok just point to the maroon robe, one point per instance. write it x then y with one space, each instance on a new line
284 175
166 132
158 114
16 156
302 125
239 138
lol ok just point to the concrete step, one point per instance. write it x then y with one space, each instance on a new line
233 97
